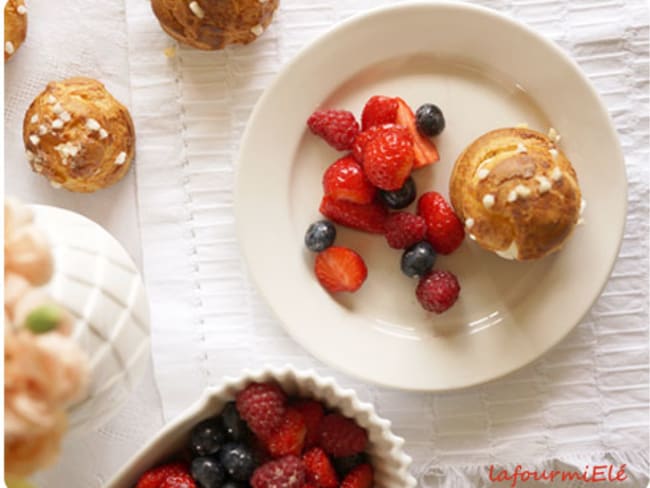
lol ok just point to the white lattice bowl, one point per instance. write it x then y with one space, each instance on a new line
390 462
96 280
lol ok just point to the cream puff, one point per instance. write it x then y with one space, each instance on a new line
211 25
15 26
78 136
517 193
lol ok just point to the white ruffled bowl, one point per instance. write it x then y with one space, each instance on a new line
96 280
390 463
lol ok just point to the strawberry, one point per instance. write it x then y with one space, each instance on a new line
379 110
364 138
368 218
445 231
345 180
360 477
438 291
179 481
403 229
388 158
341 436
312 412
340 269
286 472
337 127
319 469
155 476
289 437
425 150
262 406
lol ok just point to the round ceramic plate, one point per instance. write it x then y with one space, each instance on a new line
485 71
98 283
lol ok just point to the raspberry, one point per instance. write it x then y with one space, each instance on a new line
445 231
179 481
404 229
340 269
345 180
337 127
286 472
313 413
262 406
289 437
438 291
360 477
388 158
340 436
379 110
155 476
319 469
368 218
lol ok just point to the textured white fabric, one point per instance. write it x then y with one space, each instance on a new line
585 401
588 395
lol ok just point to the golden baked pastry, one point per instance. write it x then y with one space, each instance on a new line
517 193
15 26
79 136
214 24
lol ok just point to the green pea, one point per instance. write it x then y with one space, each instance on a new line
44 319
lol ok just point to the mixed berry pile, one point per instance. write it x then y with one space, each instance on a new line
265 439
368 190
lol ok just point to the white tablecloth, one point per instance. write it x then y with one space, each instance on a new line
584 402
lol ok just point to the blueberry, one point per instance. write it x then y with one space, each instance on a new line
235 427
207 472
401 198
235 484
429 120
237 460
343 465
207 437
418 259
320 235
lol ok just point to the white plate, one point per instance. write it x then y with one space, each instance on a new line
485 71
98 283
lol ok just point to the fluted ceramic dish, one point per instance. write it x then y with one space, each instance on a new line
390 462
485 71
96 280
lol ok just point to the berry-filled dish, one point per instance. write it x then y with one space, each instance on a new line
265 439
348 224
369 189
276 429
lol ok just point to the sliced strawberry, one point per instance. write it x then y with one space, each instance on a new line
155 476
379 110
345 180
313 412
445 231
360 477
341 436
289 437
319 469
425 150
340 269
368 218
